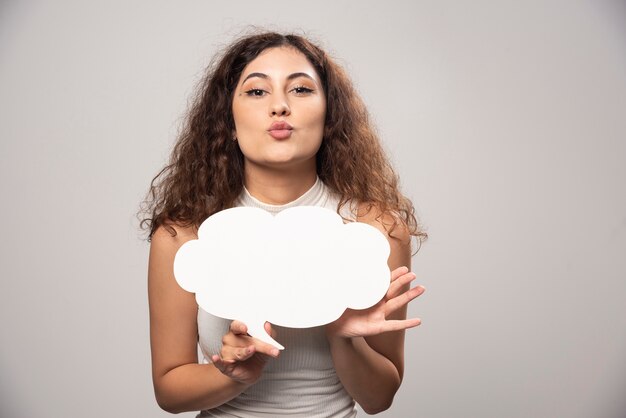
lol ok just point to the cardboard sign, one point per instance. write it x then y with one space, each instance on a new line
300 268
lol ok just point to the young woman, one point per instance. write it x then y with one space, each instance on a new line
276 123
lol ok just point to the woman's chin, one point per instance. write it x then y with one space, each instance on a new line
286 162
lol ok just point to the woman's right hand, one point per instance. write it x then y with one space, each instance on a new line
242 357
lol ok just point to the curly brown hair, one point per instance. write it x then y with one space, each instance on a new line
205 173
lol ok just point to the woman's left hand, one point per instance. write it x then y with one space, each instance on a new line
373 321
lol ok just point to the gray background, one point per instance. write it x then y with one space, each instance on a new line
506 121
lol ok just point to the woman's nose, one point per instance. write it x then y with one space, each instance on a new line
279 106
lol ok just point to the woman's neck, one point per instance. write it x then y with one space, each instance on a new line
277 187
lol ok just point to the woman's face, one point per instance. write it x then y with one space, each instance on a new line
279 85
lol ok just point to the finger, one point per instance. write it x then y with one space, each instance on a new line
238 353
271 331
399 325
399 272
231 339
399 301
400 286
238 328
220 364
245 353
265 348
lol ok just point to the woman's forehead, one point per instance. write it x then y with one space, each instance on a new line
280 63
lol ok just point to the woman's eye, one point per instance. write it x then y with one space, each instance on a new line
302 90
255 92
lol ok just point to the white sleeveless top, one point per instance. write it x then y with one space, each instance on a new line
302 381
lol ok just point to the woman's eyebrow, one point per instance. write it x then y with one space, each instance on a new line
296 75
260 75
289 77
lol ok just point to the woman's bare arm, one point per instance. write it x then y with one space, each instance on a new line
371 368
180 383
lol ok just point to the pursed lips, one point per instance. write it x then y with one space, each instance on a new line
280 130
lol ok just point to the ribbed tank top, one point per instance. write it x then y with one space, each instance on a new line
302 381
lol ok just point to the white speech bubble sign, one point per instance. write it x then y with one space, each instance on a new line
300 268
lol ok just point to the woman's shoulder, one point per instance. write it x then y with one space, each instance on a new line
164 244
372 213
173 234
385 220
393 227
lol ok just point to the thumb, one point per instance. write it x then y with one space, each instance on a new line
271 331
